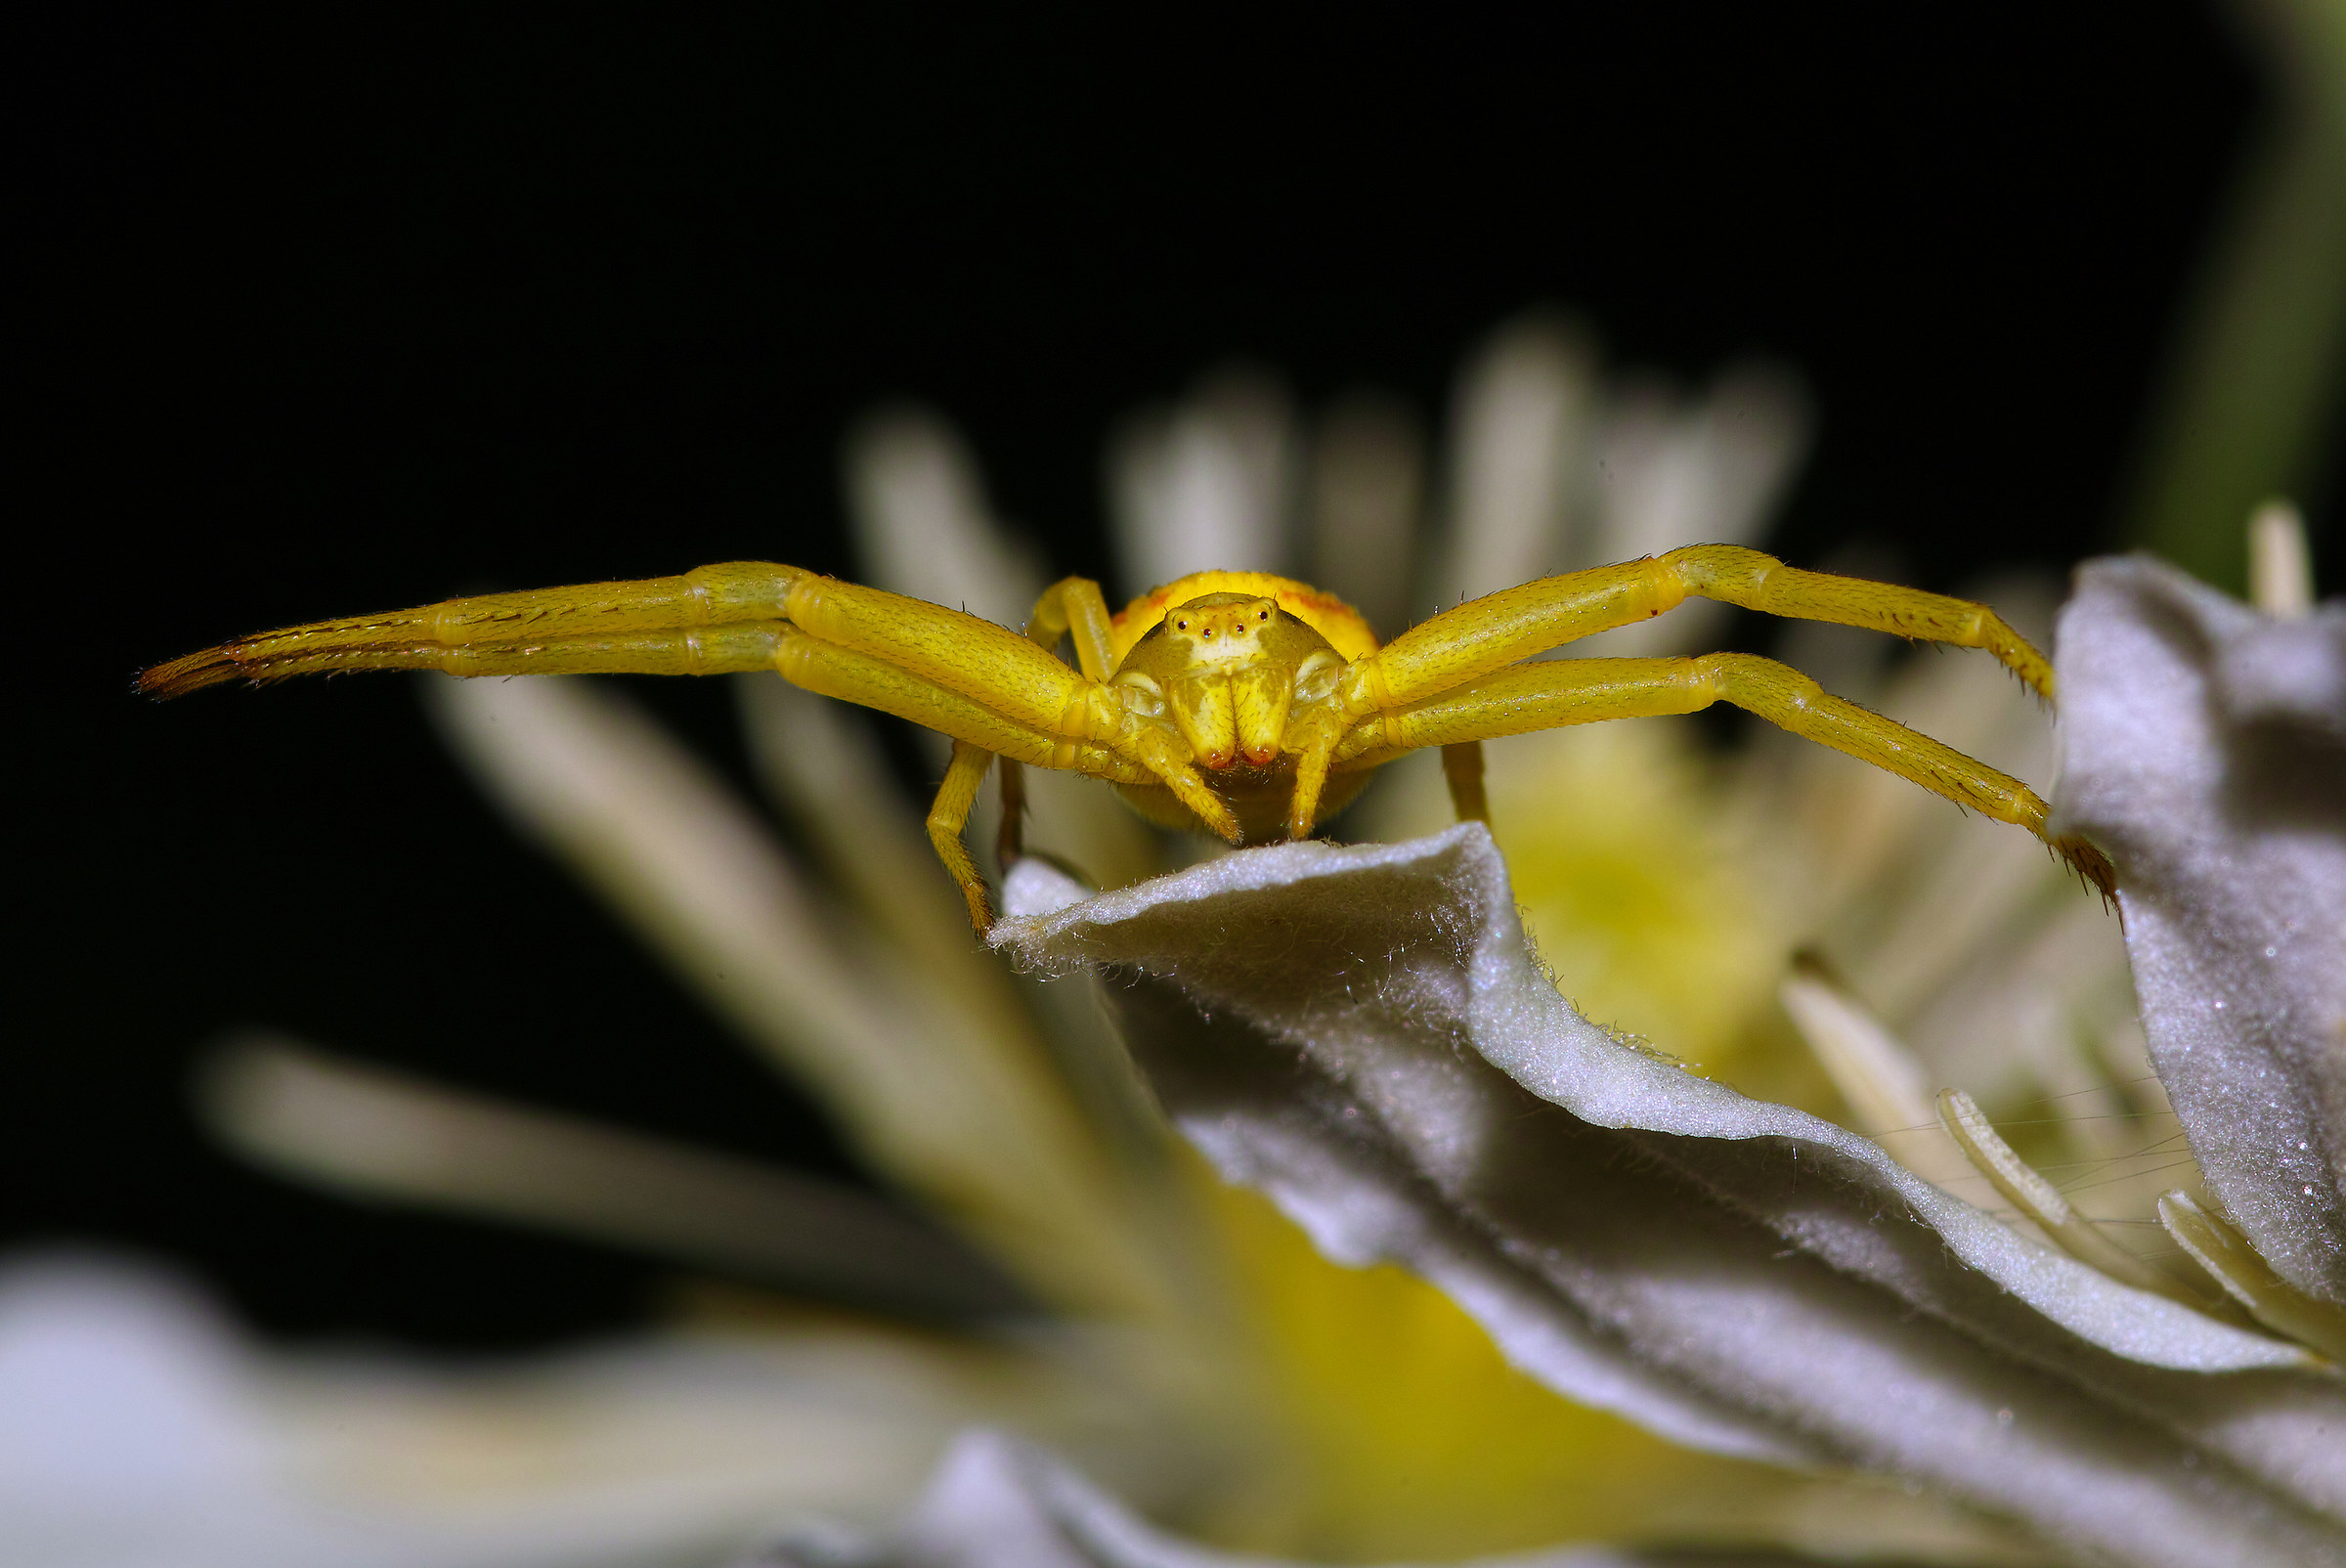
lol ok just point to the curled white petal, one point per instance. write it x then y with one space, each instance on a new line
1363 1033
2204 748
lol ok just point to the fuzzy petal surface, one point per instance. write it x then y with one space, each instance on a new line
1365 1034
2204 748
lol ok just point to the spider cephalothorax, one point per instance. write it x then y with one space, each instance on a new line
1237 703
1230 672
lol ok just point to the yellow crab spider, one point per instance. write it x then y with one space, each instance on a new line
1245 705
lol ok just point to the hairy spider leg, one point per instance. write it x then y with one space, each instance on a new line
974 681
1071 604
685 625
1500 629
867 680
1579 691
1000 670
1074 604
950 814
980 737
1462 771
1489 634
1010 835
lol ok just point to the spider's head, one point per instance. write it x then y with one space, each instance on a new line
1227 664
1223 632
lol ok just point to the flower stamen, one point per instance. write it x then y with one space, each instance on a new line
2025 1190
2250 1279
2280 568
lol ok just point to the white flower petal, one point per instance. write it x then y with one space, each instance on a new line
996 1503
2210 1241
921 523
2281 566
1368 500
1208 486
1708 471
1705 471
384 1135
2204 748
1519 441
137 1430
975 1120
1364 1033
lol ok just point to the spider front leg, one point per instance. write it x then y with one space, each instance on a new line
1501 629
1457 654
1071 604
1580 691
712 620
1074 604
980 684
1095 735
1317 738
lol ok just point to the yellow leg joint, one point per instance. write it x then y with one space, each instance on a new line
1365 694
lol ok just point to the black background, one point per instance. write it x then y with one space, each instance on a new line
330 320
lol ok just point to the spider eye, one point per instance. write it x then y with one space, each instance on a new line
1181 626
1262 615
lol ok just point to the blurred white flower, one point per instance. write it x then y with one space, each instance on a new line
1784 1304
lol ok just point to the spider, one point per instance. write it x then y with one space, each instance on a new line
1237 703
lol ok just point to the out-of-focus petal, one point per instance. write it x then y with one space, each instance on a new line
1207 485
996 1503
921 523
1519 440
139 1431
2204 747
823 769
384 1135
1363 1035
1368 500
973 1120
1707 470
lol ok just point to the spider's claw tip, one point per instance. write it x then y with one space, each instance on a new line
2092 866
194 672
